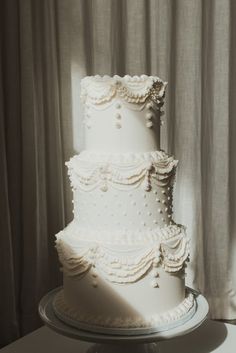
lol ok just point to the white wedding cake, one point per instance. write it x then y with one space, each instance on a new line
123 257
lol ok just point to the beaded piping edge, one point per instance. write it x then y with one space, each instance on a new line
136 89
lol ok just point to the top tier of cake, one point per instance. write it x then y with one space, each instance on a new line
122 114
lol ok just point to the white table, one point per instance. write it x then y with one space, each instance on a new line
212 336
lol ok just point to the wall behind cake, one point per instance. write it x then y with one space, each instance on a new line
47 48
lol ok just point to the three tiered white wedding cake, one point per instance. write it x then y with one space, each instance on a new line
122 256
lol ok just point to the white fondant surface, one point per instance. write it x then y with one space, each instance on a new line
132 210
123 257
133 300
84 332
102 133
125 306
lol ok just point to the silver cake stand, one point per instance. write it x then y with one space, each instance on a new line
117 343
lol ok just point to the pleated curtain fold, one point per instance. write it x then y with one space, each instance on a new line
46 48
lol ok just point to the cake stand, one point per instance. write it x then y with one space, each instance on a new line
120 343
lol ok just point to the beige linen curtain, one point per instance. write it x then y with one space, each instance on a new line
47 47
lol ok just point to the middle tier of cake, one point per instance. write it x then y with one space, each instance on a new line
129 191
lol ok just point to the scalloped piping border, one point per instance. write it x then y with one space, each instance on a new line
136 89
120 237
124 265
88 171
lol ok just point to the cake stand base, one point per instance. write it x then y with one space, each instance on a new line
116 343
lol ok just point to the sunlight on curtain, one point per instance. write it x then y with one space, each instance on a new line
77 110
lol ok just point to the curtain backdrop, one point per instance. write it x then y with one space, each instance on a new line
46 48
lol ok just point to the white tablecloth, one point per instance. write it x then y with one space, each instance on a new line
212 336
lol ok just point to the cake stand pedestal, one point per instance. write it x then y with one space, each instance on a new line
120 343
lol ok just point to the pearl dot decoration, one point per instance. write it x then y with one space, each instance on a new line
154 283
156 260
104 188
118 117
118 105
87 119
118 125
155 273
148 118
149 124
94 273
155 264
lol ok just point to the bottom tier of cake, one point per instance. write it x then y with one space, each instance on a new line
136 285
134 308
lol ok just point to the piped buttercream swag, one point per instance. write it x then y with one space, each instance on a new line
89 170
170 249
132 89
